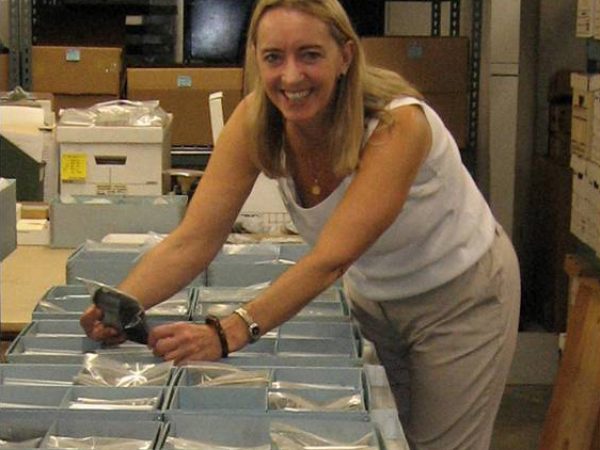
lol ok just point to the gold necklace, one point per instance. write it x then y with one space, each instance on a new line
315 188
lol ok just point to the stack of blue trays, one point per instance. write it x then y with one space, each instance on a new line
108 263
312 383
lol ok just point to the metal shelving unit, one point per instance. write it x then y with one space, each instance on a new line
25 16
14 44
150 36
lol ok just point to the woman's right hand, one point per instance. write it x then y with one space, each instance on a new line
91 322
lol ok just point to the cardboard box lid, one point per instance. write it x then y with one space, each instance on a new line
75 134
76 70
432 64
203 78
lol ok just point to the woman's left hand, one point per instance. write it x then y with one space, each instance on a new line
184 341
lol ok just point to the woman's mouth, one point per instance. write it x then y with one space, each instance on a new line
296 95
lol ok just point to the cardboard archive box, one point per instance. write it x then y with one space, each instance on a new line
114 159
184 93
78 76
437 66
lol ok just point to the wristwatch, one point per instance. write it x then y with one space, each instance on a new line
253 328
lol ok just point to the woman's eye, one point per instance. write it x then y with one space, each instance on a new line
271 58
311 56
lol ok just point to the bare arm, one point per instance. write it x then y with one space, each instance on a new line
373 201
388 168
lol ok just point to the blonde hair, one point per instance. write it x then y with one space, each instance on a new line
361 94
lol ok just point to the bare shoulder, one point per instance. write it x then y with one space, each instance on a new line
409 127
408 119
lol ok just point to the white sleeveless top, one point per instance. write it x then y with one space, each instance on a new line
444 227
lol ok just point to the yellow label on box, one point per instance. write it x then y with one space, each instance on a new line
73 167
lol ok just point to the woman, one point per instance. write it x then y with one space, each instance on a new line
374 182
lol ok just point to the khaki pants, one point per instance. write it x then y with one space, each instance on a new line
447 352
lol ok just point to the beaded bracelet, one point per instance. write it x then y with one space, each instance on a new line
214 322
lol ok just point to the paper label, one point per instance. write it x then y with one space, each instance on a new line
73 167
415 51
184 81
73 55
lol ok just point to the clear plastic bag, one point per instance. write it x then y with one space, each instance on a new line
217 374
99 370
173 443
129 404
27 443
116 113
178 305
120 310
287 437
97 443
296 385
288 401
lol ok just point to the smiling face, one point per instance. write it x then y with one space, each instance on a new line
299 63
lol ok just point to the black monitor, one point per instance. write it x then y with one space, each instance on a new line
367 17
215 31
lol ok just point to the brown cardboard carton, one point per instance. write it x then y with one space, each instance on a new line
432 64
437 66
34 210
453 110
77 70
184 92
4 74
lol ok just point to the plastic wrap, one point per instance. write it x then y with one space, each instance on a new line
117 113
120 311
173 443
217 374
97 443
287 437
288 401
178 305
27 443
102 371
129 404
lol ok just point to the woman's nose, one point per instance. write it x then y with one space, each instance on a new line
292 73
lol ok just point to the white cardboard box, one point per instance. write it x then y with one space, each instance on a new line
33 232
114 160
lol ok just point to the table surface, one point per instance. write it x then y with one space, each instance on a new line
25 275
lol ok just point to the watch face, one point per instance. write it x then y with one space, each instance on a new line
254 331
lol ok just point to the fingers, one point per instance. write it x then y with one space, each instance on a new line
91 322
184 341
